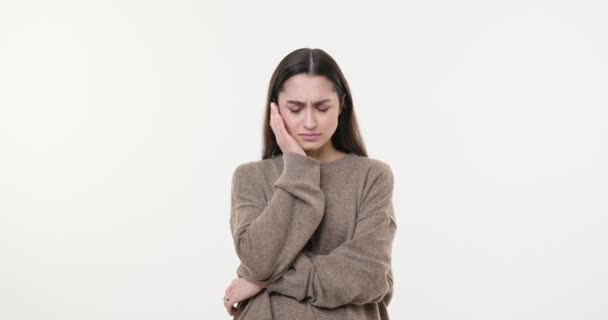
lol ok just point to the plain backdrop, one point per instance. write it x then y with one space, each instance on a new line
121 123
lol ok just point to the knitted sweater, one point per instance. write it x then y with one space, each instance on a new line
320 234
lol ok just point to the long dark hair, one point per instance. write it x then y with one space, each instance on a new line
347 137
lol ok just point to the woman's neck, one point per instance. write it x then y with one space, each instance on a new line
328 155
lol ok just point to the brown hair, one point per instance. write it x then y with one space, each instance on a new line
347 137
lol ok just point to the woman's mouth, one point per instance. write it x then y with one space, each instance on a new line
310 136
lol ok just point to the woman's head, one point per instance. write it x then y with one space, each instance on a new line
313 97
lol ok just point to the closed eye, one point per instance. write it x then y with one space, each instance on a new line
298 110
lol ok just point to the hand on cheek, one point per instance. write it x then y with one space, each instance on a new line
285 141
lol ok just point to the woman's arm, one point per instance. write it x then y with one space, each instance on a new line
268 237
359 270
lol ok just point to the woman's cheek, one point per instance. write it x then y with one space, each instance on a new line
289 125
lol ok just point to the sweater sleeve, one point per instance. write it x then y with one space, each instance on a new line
269 236
359 270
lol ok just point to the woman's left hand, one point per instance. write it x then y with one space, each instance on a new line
240 290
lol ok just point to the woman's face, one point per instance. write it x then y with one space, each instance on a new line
310 107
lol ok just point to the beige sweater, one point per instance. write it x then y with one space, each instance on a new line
319 233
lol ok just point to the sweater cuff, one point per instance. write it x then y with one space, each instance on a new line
298 167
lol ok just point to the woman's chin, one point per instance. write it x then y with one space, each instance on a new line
312 145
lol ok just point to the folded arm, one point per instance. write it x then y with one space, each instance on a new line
359 270
269 236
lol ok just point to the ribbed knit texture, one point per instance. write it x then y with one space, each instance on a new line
320 234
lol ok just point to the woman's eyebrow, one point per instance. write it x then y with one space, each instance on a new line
301 103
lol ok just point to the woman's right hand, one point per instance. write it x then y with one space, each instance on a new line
240 290
286 142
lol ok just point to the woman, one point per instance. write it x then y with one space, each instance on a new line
313 221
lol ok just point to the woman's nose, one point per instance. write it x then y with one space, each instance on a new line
310 121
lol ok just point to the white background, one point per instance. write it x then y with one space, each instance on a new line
121 123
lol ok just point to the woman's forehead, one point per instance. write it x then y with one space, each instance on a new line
305 87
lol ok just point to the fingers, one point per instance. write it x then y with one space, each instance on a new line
228 291
274 113
232 311
284 139
229 306
280 123
228 300
272 118
275 123
279 126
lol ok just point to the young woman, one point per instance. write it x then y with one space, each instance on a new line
313 220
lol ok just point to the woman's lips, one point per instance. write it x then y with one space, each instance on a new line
310 137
